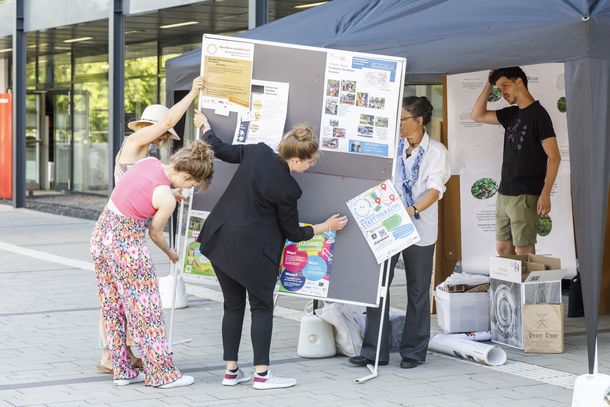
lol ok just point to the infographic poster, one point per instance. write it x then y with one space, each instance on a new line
193 262
306 266
383 220
227 67
265 122
360 109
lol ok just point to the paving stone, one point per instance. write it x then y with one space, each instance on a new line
49 322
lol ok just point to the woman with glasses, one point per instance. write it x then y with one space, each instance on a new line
127 283
156 127
244 235
422 171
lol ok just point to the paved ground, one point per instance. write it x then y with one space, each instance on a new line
48 329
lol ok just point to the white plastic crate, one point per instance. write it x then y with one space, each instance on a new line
462 312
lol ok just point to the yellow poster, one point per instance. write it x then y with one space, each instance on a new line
227 67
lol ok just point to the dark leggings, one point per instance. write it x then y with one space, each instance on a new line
233 319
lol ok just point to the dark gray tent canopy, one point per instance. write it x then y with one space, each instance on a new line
440 37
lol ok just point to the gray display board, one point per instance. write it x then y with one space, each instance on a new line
336 177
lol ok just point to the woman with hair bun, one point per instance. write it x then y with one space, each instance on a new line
423 170
244 235
127 283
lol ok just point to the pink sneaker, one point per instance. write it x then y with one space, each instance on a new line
270 381
231 379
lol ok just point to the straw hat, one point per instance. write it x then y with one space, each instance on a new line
153 114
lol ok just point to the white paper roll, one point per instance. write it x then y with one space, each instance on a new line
474 336
466 349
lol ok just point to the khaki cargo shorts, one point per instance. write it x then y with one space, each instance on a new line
517 219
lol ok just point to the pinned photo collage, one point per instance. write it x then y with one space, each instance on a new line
332 133
370 126
344 93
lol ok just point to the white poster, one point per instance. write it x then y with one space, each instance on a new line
265 122
478 190
475 152
227 67
383 220
468 349
360 109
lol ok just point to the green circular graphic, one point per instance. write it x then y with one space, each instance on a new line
545 225
562 104
484 188
494 95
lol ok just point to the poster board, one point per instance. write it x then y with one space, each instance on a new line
337 177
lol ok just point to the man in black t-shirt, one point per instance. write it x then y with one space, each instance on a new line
530 160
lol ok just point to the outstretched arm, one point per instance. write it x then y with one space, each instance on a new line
223 151
148 134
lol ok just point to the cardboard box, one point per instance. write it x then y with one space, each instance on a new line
517 281
462 312
528 268
543 328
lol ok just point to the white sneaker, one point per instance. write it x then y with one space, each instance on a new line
124 382
270 381
231 379
183 381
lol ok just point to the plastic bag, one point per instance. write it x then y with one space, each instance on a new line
348 323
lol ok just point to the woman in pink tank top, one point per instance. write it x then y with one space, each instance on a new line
154 127
127 283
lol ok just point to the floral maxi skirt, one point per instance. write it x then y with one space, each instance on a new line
129 296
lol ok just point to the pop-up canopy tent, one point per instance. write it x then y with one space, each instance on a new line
440 37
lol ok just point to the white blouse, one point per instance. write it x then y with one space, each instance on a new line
434 172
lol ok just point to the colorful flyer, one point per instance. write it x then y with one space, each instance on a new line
306 266
383 220
227 66
193 262
359 113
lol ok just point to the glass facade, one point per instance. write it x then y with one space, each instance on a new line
67 112
67 84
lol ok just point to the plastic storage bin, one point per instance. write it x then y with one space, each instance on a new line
462 312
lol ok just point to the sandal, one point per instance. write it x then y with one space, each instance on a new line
103 369
136 363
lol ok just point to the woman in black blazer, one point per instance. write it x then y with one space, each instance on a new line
244 235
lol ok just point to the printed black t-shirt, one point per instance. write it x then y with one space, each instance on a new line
524 160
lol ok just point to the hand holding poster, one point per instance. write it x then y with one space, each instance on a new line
383 220
306 266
